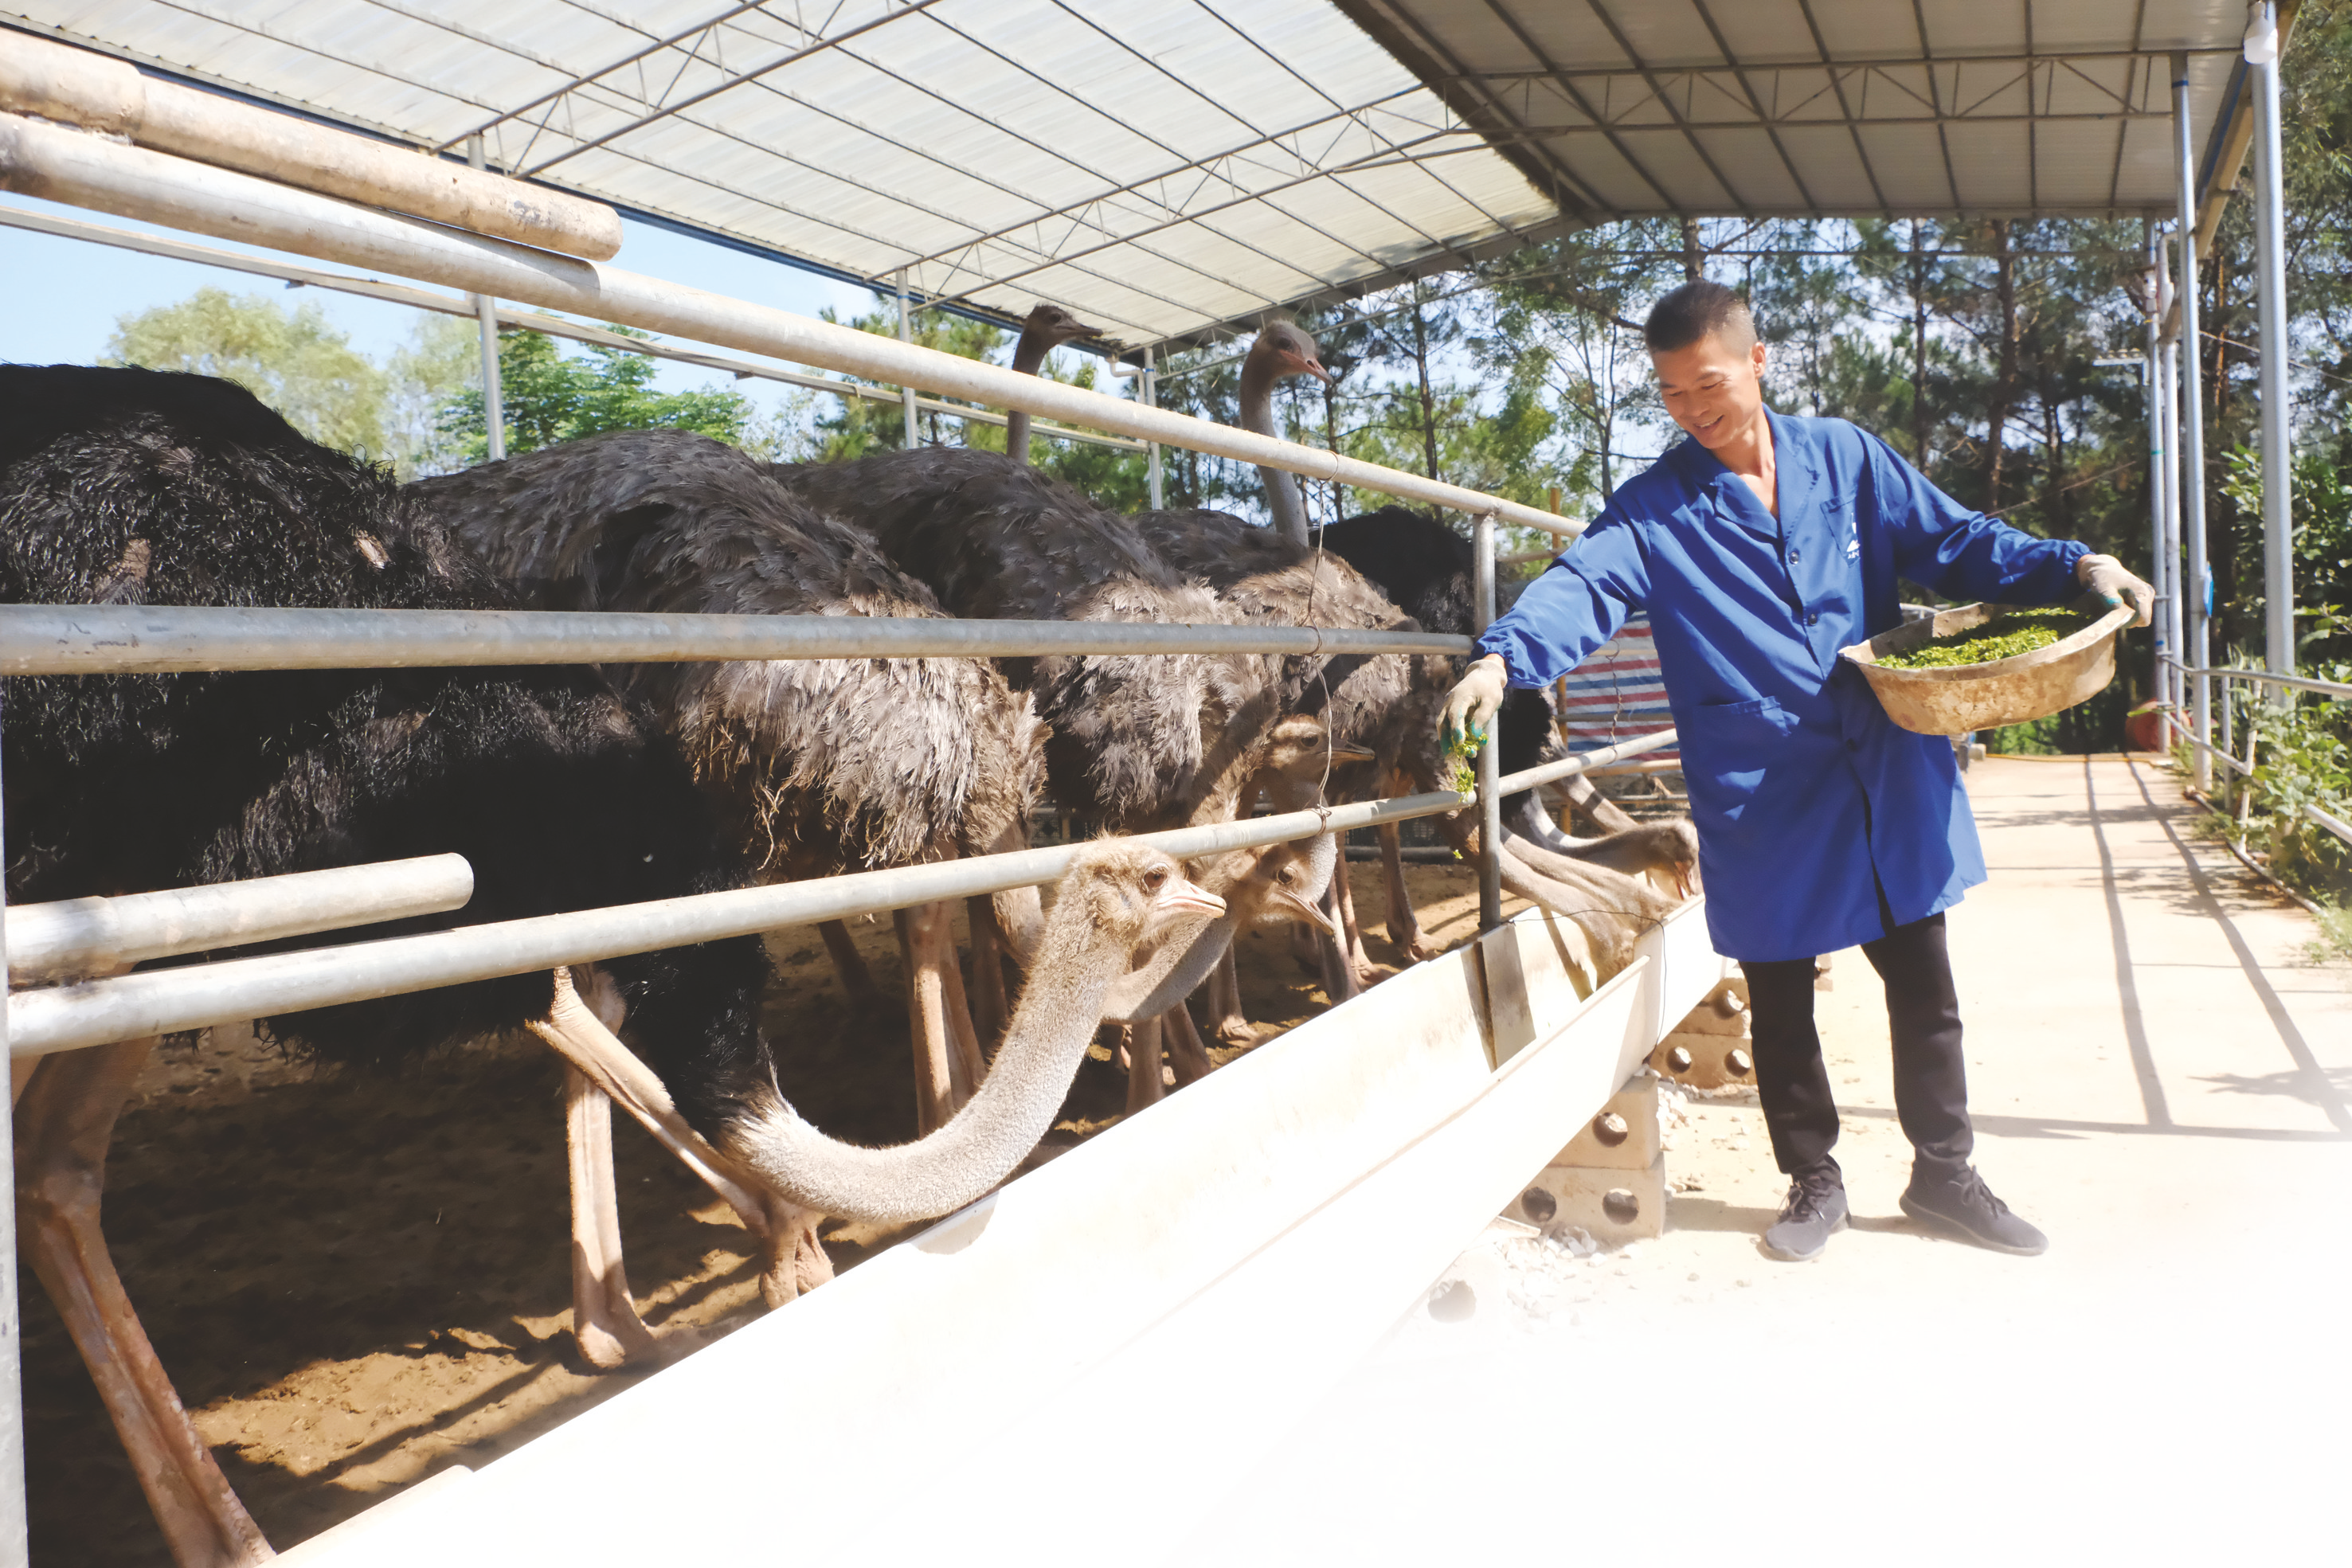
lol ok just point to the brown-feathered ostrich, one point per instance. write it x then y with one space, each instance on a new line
1137 742
1047 328
1373 704
131 487
819 766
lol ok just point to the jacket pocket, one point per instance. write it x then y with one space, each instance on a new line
1727 748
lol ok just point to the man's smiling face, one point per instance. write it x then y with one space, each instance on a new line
1712 389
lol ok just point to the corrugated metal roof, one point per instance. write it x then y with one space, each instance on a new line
1161 167
1826 107
1156 166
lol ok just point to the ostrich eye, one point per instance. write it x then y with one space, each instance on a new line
1155 879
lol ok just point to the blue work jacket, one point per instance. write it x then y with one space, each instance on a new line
1810 803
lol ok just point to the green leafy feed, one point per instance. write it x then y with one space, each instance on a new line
1464 779
2004 638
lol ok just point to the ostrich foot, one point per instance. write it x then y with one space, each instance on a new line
64 1120
1404 925
1225 1003
795 1261
1359 962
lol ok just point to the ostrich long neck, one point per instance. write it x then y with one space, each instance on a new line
1258 414
1014 1107
1028 355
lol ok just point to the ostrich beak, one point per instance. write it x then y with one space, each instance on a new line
1180 899
1347 751
1683 881
1307 367
1298 908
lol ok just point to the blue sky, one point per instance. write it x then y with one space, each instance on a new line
64 296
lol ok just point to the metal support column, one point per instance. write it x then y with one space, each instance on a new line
2270 285
1150 390
2198 580
15 1549
486 311
1490 803
2151 387
906 335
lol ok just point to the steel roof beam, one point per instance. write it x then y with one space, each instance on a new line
1690 135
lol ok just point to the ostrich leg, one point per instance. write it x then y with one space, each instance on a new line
1339 974
1232 1026
1358 963
64 1120
1143 1086
1404 925
604 1322
856 979
1186 1055
992 1008
938 1061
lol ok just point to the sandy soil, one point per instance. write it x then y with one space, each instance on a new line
356 1282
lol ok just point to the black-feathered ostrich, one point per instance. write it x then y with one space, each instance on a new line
131 487
819 766
1427 568
1047 328
1137 742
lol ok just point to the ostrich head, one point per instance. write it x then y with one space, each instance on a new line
1132 893
1284 883
1283 350
1047 328
1294 757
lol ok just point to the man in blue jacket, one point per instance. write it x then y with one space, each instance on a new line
1761 545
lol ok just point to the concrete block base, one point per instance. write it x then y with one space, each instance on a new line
1613 1207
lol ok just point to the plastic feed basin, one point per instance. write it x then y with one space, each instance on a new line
1959 698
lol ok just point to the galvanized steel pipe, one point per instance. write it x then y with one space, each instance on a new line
2270 292
2198 583
85 170
163 1001
108 96
1551 772
114 639
1490 792
91 936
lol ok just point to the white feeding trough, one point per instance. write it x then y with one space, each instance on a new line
1190 1281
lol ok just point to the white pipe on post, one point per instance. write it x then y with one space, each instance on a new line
906 335
486 311
1490 800
2199 580
15 1548
2270 286
62 165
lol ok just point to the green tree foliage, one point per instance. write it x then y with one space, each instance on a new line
548 397
294 360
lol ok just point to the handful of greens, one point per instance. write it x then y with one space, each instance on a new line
1463 777
2004 638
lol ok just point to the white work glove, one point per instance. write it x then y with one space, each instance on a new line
2104 575
1470 707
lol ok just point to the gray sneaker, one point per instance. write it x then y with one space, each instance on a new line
1814 1212
1959 1200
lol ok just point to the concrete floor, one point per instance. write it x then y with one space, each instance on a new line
2159 1075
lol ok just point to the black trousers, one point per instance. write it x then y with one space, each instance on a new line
1922 1012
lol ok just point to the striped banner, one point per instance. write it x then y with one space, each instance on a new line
1616 694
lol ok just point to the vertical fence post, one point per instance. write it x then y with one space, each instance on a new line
2270 283
2174 592
2198 585
906 335
1490 804
15 1550
486 311
2152 384
1152 399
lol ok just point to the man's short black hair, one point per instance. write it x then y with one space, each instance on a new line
1699 308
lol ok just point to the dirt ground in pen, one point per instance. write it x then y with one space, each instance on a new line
356 1282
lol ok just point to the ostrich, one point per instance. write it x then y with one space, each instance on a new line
133 486
1283 349
1373 704
1048 327
819 766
